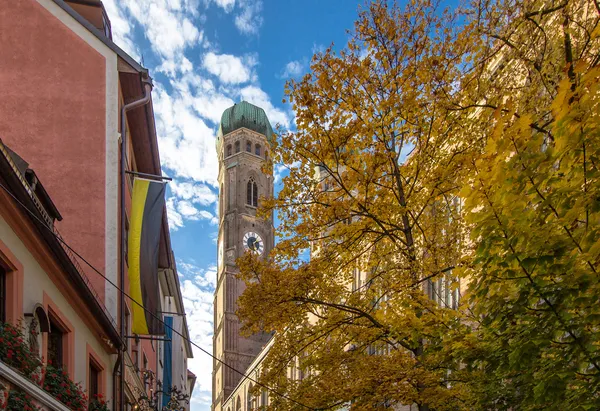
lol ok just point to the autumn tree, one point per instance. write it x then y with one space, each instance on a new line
532 203
371 192
437 152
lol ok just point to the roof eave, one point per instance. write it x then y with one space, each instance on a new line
108 42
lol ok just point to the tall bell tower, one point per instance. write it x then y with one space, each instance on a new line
242 146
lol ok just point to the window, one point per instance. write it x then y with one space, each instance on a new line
2 294
145 369
94 387
264 399
221 205
55 344
257 149
237 146
249 399
95 374
248 146
443 292
229 150
252 193
238 404
136 358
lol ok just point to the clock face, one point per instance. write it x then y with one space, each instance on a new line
253 242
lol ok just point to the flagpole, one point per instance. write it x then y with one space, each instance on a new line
123 170
146 175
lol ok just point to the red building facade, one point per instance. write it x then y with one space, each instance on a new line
64 83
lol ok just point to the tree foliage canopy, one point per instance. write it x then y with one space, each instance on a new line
440 154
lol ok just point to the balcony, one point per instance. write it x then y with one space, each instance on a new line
11 379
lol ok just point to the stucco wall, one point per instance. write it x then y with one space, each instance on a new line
59 111
39 288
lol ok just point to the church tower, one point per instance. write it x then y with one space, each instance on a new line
242 146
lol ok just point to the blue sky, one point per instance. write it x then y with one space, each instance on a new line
205 55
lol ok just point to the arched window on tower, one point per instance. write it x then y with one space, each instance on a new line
238 404
229 150
248 146
237 146
257 149
252 193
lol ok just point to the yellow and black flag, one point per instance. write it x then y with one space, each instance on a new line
144 236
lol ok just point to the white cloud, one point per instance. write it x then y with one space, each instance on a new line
292 69
189 212
212 106
166 24
172 66
249 20
228 68
122 30
196 193
227 5
175 219
187 144
197 291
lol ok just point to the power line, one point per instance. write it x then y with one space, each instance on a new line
144 308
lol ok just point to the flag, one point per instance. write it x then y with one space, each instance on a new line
168 361
174 372
144 235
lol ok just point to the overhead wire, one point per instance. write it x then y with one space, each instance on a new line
187 339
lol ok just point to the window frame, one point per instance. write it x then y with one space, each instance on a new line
56 330
99 366
252 193
13 270
68 339
3 294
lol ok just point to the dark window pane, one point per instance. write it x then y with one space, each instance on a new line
94 379
55 345
248 146
2 295
257 150
254 195
249 193
136 359
237 146
229 150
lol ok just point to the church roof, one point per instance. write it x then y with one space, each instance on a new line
246 115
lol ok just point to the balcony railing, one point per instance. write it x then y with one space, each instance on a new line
41 397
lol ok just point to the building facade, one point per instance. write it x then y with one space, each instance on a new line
63 110
45 295
242 147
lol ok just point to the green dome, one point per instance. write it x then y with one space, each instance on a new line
246 115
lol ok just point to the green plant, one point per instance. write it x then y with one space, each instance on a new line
58 384
20 401
15 352
98 403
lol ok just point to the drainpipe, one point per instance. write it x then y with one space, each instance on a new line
114 380
137 103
